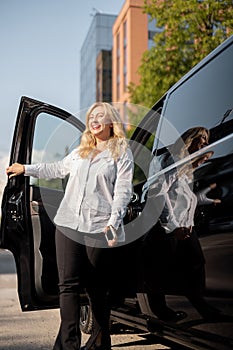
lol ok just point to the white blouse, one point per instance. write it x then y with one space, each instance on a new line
97 192
180 204
174 195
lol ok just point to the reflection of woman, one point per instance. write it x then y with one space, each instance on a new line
97 193
180 200
182 255
202 196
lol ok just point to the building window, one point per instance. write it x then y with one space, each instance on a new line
118 87
118 65
151 34
125 56
99 87
125 33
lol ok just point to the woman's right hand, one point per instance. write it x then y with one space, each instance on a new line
15 169
182 233
112 242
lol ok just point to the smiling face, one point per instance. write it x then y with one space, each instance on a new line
100 124
199 142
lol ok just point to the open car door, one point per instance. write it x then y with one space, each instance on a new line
43 133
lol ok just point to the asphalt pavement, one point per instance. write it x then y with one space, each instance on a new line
37 330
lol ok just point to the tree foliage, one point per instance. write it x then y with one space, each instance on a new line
191 30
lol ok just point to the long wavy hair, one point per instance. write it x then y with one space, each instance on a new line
117 143
180 149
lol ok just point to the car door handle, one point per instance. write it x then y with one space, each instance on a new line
15 211
15 203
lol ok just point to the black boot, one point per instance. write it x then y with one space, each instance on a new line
98 342
160 309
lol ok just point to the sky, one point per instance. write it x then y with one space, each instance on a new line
40 44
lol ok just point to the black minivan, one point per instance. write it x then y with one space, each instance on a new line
202 97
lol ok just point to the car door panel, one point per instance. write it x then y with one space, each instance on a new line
202 98
29 206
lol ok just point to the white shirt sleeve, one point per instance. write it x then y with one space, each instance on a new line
202 198
122 189
49 170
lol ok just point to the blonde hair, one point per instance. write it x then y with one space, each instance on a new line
181 148
117 143
182 145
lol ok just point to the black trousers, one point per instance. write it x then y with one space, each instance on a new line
79 266
174 267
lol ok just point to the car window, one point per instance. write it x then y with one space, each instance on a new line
142 161
142 142
53 140
205 99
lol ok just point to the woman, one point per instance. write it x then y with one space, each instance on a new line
97 193
180 201
179 256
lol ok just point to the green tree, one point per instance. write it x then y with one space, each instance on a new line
192 29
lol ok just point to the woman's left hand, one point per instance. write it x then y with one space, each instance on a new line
111 242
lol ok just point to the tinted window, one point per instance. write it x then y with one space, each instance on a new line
142 143
205 99
53 140
202 100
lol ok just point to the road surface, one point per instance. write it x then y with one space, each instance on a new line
37 330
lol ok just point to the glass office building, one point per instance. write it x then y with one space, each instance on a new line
99 37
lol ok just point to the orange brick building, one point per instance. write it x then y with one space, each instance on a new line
130 40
